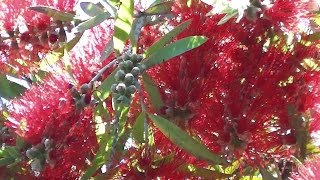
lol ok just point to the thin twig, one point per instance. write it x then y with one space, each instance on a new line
101 71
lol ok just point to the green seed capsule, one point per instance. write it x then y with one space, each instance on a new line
119 76
142 67
134 58
128 79
32 153
121 88
132 89
128 65
135 71
122 66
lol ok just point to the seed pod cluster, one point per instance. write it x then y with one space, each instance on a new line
83 96
127 78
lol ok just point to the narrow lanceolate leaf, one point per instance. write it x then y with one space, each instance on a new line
57 54
135 31
8 89
138 128
54 13
185 141
153 92
108 49
92 22
227 17
104 138
174 49
203 172
91 9
167 38
123 25
161 8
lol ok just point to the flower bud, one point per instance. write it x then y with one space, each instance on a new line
134 58
128 65
125 57
142 67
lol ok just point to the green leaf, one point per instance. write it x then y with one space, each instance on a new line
53 57
167 38
90 23
135 31
123 25
174 49
185 141
54 13
138 128
8 89
153 92
13 152
160 8
203 172
103 91
227 17
6 161
91 9
108 49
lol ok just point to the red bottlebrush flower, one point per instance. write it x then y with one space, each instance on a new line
310 170
231 92
47 112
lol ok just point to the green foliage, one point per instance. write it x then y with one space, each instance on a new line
184 141
8 89
54 13
153 92
123 25
174 49
94 21
167 38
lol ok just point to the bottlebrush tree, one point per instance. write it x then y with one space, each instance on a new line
186 89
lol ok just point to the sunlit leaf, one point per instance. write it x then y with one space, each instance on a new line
54 13
160 8
135 31
167 38
8 89
227 17
91 9
123 25
153 92
108 49
174 49
138 128
185 141
90 23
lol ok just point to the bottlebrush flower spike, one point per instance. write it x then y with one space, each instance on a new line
232 87
25 33
310 170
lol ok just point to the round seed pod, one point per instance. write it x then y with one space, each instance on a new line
121 88
135 71
134 58
119 76
128 65
84 88
139 58
113 88
142 67
122 66
132 89
128 79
